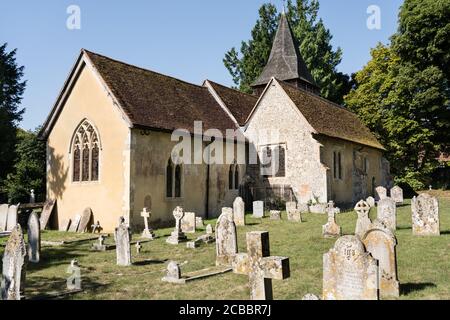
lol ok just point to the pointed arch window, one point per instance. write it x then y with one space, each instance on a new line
85 153
233 177
174 180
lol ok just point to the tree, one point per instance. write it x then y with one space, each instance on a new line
403 94
29 169
11 91
314 46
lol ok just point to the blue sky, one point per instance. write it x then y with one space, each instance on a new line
184 39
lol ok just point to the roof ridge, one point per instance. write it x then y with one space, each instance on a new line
141 68
236 90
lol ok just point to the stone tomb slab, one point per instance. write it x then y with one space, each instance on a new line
85 219
75 223
199 274
46 213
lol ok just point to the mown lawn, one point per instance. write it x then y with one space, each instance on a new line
423 263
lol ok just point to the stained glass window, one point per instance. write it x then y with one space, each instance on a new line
76 163
85 164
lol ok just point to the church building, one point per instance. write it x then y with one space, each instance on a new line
111 147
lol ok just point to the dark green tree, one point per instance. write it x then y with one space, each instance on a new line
11 92
314 45
29 170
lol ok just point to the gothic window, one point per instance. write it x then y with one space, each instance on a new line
274 161
178 171
236 177
340 165
281 157
230 177
174 176
366 165
169 179
85 153
337 165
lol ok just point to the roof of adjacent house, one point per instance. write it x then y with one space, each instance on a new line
157 101
330 119
285 61
238 103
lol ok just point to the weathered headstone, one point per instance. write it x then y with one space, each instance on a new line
303 208
85 219
74 280
258 209
371 201
380 242
349 272
425 215
397 194
199 222
75 223
209 229
122 237
387 213
12 217
260 267
239 211
331 229
148 232
46 213
188 222
177 235
34 238
275 215
65 225
173 273
226 239
363 222
14 265
380 193
294 213
100 245
319 208
3 216
310 296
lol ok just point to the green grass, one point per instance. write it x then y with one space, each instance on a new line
423 263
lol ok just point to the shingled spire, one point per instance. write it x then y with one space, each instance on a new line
285 62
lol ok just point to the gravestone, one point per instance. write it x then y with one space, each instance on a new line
46 213
260 267
363 222
177 235
371 202
14 265
100 245
148 232
239 211
349 272
310 296
275 215
319 208
293 214
199 222
138 247
387 213
73 282
96 227
303 208
12 217
331 229
32 196
258 209
75 223
65 225
380 242
34 238
173 273
425 215
209 229
380 193
397 194
85 219
3 216
122 236
226 239
188 222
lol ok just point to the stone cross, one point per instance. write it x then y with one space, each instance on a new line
362 208
387 213
226 239
425 215
177 235
260 267
74 281
148 232
349 271
138 247
380 242
331 229
122 237
34 238
14 266
96 227
239 211
100 246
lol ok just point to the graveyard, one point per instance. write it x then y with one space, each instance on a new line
422 261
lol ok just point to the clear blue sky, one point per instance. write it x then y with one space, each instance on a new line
184 39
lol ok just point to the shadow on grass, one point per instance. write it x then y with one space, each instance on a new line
445 232
407 288
56 256
148 262
404 228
